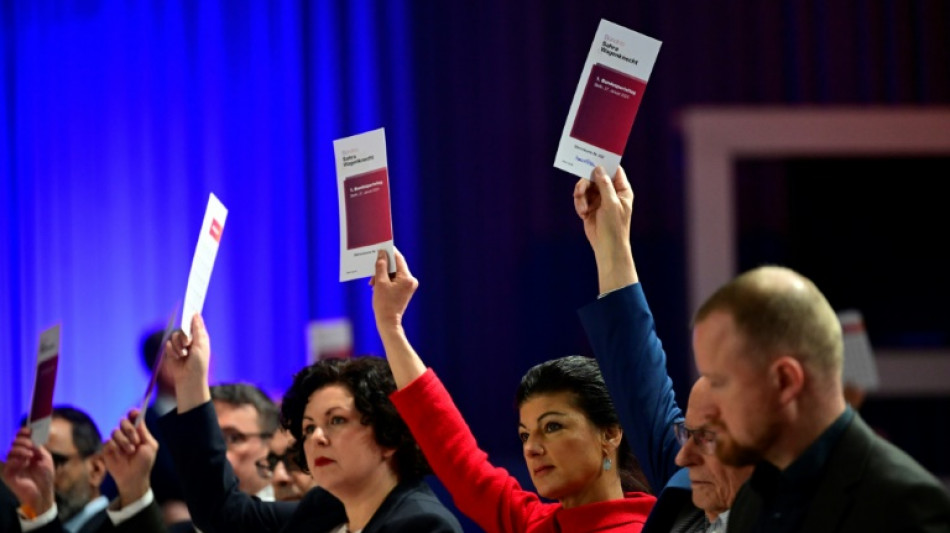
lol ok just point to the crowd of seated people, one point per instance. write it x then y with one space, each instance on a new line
767 442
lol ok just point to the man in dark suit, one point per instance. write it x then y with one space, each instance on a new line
164 480
72 462
770 345
676 454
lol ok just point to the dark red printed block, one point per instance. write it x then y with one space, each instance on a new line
368 219
607 109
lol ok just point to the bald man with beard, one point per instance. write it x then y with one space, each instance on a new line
771 347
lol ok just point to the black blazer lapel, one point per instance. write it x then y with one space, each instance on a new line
745 510
834 497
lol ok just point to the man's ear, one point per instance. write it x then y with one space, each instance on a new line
97 469
788 375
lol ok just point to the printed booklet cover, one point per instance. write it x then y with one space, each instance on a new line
606 100
41 406
365 214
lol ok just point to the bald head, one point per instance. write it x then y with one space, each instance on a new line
780 312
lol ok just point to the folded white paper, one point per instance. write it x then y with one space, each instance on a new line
606 100
209 238
365 213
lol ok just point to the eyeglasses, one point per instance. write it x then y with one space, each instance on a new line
705 439
60 459
233 437
267 465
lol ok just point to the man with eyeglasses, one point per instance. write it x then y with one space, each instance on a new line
713 485
77 470
280 466
248 420
676 454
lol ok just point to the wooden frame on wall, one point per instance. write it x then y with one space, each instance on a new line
715 137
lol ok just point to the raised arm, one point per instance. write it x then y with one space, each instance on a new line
29 473
606 207
486 494
129 456
188 359
390 298
197 446
621 330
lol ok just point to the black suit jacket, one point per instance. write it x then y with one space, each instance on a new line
148 520
217 505
868 485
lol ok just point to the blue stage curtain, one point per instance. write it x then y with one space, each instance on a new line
118 120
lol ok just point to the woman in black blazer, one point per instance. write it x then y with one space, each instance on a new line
367 468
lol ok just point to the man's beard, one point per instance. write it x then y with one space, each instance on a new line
730 452
72 501
734 454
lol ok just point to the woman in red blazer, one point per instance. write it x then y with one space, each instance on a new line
572 440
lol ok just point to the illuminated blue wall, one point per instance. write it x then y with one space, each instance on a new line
118 120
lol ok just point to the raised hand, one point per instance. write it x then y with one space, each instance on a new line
30 473
129 456
606 207
391 295
188 360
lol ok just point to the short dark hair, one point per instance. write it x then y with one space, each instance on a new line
370 381
151 347
86 436
580 376
238 394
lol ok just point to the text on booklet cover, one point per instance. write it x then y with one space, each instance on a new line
606 100
365 213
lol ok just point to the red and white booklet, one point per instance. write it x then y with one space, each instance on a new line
606 100
206 250
365 214
41 406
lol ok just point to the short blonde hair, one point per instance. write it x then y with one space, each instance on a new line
777 310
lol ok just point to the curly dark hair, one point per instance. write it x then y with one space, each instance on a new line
580 376
370 381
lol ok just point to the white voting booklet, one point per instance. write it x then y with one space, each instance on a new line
365 213
606 101
203 262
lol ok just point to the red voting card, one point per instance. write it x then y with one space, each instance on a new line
607 109
43 392
41 406
368 219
